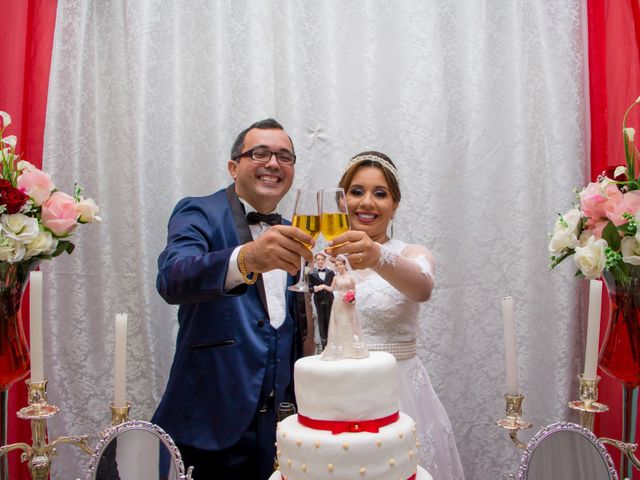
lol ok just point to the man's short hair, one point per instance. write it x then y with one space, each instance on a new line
266 124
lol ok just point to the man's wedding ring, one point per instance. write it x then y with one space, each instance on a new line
360 258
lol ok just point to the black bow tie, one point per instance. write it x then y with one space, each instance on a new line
322 269
270 218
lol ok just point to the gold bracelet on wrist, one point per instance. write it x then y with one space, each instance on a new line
243 268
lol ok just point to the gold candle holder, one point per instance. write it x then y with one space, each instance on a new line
119 414
513 421
38 454
588 405
36 392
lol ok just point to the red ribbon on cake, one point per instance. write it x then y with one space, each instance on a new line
353 426
412 477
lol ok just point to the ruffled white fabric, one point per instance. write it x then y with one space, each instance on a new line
388 316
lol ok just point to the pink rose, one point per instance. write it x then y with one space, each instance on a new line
59 214
596 201
630 204
37 184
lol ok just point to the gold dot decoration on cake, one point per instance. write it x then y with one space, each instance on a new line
304 468
289 462
345 446
317 444
410 453
400 435
417 444
284 434
413 429
378 443
330 467
362 471
392 462
299 442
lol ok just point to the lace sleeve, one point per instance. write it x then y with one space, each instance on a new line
388 256
423 263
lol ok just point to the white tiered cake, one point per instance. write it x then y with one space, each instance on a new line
348 425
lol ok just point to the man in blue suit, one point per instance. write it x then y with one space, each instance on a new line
226 264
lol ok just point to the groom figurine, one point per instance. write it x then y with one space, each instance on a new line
226 264
319 279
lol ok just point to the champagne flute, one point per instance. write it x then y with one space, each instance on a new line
306 218
334 217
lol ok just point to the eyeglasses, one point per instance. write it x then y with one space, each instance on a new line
263 155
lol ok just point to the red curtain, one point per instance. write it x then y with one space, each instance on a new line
614 73
26 35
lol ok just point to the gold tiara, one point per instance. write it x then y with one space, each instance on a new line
373 158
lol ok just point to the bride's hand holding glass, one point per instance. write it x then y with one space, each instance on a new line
361 251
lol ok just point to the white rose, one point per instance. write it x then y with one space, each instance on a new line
44 243
590 258
630 249
584 237
20 227
565 232
88 210
11 251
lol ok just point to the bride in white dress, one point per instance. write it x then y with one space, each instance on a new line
345 332
393 278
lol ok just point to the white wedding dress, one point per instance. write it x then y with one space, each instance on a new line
390 322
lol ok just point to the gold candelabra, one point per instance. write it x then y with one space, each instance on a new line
588 405
120 414
38 455
513 422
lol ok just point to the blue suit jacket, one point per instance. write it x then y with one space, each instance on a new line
222 347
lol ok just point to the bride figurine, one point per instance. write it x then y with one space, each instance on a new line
344 339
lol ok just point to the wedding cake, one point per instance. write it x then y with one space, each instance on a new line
348 425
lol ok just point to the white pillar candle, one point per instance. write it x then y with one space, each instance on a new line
593 330
510 346
35 327
120 372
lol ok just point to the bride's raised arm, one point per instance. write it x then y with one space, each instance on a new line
411 272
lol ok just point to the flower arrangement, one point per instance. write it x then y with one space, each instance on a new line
349 296
601 231
36 219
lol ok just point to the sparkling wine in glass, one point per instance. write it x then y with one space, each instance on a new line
334 217
306 218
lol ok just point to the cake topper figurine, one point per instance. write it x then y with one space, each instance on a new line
344 339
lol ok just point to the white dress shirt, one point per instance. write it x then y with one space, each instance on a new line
275 281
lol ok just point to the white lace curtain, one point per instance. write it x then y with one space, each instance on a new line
480 103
